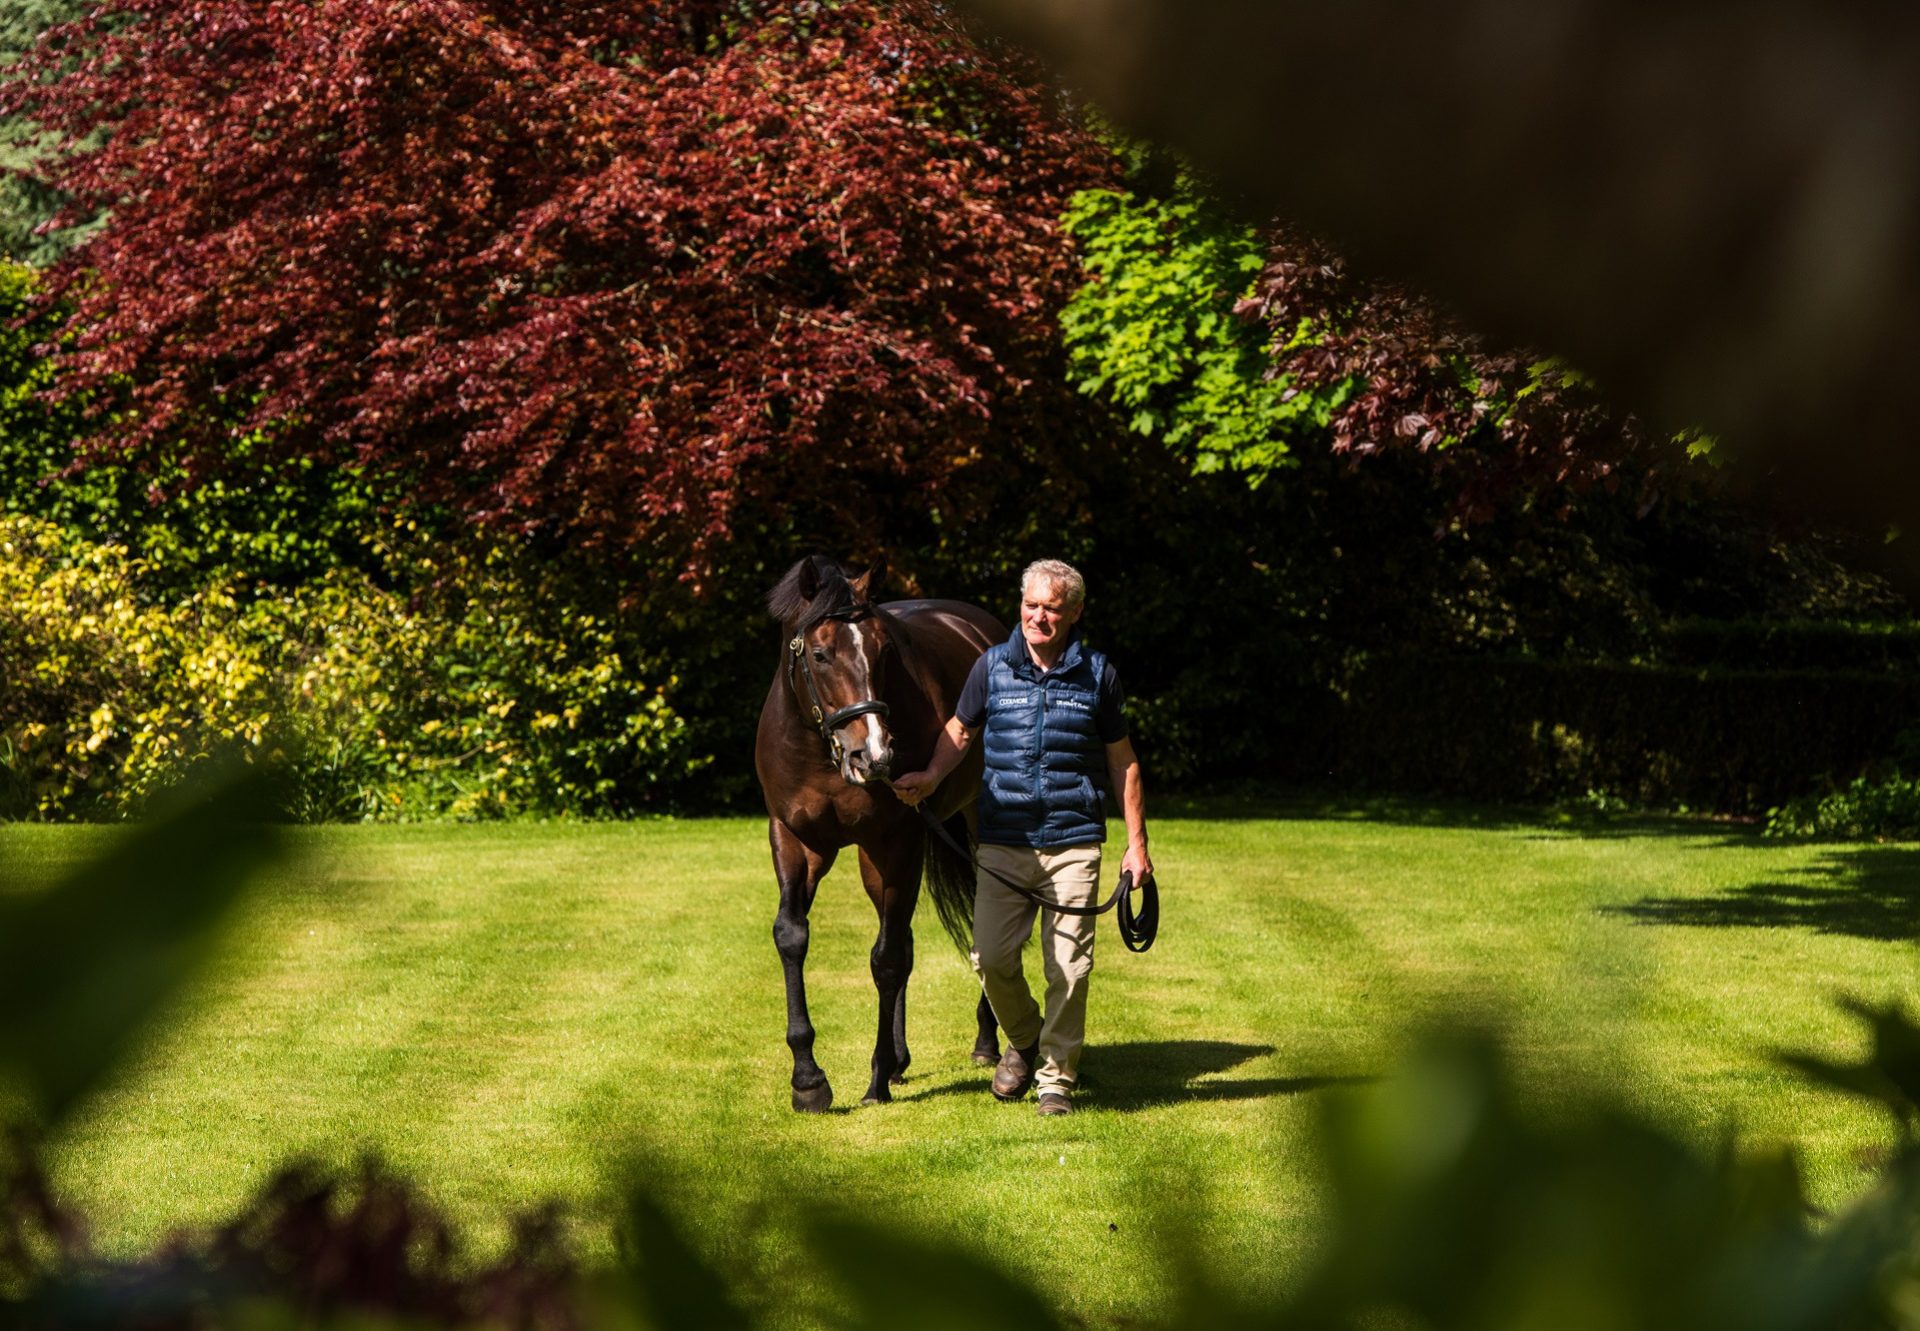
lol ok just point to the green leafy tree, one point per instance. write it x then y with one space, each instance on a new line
24 202
1154 331
1240 348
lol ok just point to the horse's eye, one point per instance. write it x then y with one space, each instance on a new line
819 655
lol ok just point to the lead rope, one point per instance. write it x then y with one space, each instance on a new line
1137 929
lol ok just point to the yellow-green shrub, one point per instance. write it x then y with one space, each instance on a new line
465 693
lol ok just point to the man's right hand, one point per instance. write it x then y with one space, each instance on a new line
913 787
947 748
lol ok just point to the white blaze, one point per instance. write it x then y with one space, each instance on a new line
876 742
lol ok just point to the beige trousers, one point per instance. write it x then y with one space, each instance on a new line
1002 923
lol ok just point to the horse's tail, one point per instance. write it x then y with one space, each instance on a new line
950 879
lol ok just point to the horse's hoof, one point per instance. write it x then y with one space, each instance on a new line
983 1059
896 1080
812 1099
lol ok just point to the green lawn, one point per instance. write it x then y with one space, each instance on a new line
513 1013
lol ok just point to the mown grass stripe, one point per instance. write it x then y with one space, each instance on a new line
516 1012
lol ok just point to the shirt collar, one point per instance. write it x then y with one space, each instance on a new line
1024 664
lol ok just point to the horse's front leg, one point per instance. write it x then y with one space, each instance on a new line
798 870
893 884
901 1055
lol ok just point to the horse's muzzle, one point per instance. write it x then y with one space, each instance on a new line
863 769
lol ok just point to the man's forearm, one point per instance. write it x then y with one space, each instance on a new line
1124 775
1133 805
949 746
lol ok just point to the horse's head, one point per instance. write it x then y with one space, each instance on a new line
842 648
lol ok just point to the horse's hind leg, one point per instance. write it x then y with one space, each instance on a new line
893 883
799 871
986 1045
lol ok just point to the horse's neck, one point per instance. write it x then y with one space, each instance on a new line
916 662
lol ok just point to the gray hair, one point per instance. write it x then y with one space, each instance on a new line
1063 577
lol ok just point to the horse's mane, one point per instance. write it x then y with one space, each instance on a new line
788 602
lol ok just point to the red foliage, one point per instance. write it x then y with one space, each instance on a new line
605 270
1495 422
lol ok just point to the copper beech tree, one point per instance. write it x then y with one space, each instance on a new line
607 271
1494 421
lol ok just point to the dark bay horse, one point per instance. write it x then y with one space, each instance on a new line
861 691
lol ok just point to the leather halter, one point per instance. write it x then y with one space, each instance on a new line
829 723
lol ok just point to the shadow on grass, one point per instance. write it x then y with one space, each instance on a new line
1140 1074
1872 892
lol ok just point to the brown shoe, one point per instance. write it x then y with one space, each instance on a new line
1054 1102
1015 1073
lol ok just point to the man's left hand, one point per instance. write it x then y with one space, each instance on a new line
1138 863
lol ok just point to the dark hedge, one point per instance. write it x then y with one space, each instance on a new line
1758 644
1511 728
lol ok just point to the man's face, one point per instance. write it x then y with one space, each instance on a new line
1044 616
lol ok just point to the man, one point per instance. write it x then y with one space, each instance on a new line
1056 740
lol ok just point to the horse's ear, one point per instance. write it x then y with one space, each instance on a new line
867 583
791 596
807 582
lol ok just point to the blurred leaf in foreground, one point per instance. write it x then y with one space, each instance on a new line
668 1285
932 1284
1458 1205
83 966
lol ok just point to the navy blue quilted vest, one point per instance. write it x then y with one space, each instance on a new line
1045 778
